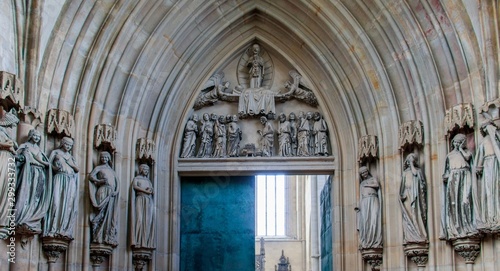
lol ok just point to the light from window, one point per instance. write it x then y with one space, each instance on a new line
270 205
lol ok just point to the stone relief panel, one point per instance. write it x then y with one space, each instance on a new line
230 117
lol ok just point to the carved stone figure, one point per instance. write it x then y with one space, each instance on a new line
458 204
34 187
142 216
320 134
61 216
233 136
293 132
298 90
256 101
189 142
309 117
284 136
413 201
207 133
369 211
7 172
303 131
256 67
104 189
488 173
220 137
266 137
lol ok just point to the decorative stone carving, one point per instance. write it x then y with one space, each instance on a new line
141 258
8 180
373 257
284 136
145 150
63 209
418 253
207 133
104 189
220 137
458 209
189 141
284 263
303 135
369 212
31 116
488 176
413 201
491 111
105 137
142 220
293 132
34 185
253 93
53 248
320 135
411 133
99 253
468 249
459 117
367 148
260 259
11 91
266 137
60 122
233 136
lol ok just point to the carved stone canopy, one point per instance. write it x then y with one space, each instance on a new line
11 91
460 116
60 122
105 137
145 150
367 148
411 133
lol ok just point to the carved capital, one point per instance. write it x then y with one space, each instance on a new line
468 249
145 149
31 115
141 258
105 137
458 117
60 122
53 248
417 252
411 133
99 253
373 257
11 91
367 148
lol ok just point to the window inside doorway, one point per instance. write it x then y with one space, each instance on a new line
270 205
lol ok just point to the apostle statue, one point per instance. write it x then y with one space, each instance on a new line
369 211
142 210
488 175
61 216
206 136
284 136
104 189
233 136
413 201
266 137
190 133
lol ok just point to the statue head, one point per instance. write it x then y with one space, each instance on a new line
411 159
66 143
458 140
144 169
292 116
105 157
364 172
255 49
34 136
263 120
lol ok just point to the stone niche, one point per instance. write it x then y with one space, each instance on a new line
281 84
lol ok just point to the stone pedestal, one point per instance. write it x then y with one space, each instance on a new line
53 248
141 258
418 253
468 249
372 256
99 253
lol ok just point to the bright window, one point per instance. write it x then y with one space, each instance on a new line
270 207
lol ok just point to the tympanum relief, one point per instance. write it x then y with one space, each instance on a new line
250 119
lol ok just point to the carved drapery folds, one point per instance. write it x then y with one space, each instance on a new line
105 137
367 149
11 91
459 117
60 122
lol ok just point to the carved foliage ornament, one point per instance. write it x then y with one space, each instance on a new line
411 133
459 116
11 91
60 122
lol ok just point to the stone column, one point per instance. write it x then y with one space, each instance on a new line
315 254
